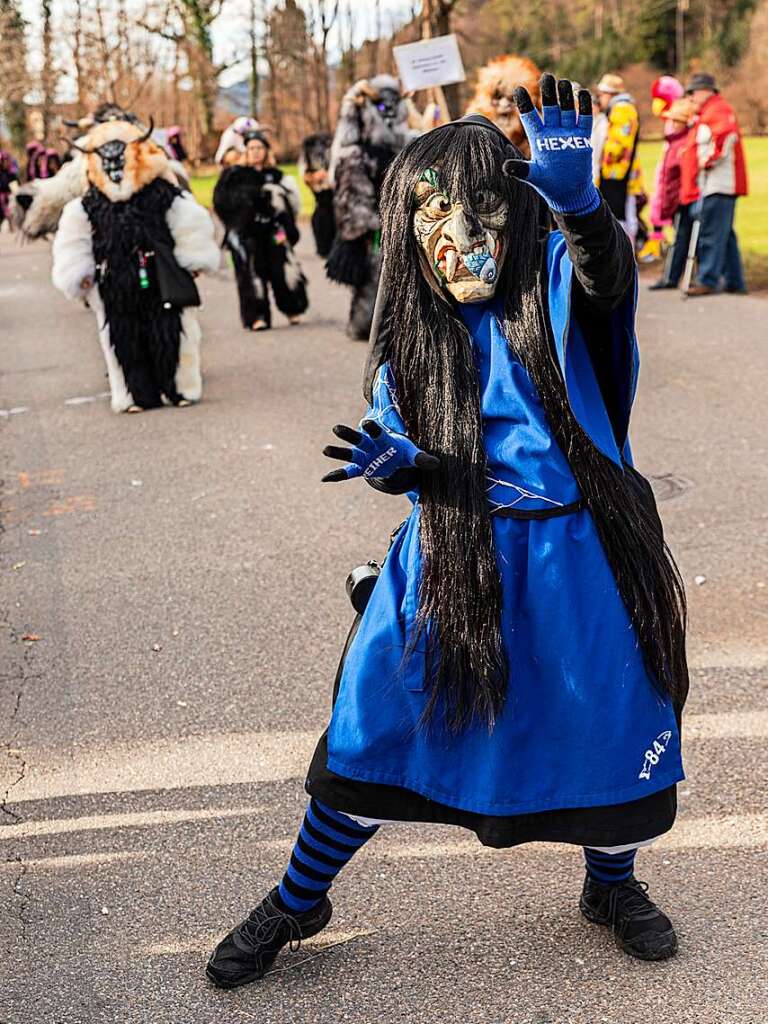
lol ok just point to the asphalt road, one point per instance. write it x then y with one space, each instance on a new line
183 571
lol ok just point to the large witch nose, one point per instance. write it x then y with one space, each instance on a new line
464 230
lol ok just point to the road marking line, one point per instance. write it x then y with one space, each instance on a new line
205 943
726 725
101 822
84 399
16 411
737 831
67 862
237 758
211 760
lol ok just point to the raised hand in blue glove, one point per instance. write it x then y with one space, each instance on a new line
560 168
375 453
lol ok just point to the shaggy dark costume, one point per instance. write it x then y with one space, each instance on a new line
356 261
144 335
315 151
253 226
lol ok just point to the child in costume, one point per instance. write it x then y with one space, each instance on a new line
129 246
665 91
666 201
258 205
519 669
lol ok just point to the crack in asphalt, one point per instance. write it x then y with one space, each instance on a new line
18 677
20 892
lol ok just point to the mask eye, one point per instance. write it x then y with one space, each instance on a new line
438 203
487 201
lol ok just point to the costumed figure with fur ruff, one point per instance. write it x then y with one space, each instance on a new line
36 207
373 127
517 666
494 95
130 246
258 205
314 164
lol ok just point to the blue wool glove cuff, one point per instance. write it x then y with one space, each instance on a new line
577 203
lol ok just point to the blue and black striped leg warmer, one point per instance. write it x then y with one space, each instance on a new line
609 868
327 841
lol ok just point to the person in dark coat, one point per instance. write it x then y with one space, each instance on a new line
258 204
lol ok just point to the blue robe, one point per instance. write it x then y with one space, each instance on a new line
583 725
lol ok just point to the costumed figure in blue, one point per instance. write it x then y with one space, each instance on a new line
519 668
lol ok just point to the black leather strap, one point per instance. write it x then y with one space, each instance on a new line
540 513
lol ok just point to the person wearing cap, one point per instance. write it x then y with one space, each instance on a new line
258 205
714 175
666 201
620 181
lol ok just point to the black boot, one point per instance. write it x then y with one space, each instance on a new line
247 953
661 285
639 926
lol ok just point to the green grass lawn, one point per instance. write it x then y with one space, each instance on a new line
751 212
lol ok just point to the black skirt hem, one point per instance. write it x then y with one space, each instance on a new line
611 825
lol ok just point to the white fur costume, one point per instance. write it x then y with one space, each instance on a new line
195 250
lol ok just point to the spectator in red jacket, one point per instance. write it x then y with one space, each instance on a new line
714 175
666 200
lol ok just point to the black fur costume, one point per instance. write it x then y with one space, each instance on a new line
260 234
144 335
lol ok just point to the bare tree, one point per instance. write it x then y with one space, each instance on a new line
14 78
321 17
436 17
48 72
188 25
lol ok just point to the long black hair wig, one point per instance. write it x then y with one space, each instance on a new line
431 356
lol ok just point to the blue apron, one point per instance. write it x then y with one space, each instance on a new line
582 726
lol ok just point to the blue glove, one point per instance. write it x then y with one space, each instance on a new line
560 168
376 453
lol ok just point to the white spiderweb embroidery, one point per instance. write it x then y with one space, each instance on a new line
517 494
382 399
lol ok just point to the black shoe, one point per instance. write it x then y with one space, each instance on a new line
660 286
639 926
247 953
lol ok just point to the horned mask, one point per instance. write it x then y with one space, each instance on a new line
121 159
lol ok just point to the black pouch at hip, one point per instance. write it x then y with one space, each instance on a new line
176 285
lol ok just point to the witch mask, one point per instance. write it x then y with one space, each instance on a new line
462 245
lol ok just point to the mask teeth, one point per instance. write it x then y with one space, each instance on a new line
451 263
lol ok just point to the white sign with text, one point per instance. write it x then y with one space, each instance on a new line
430 63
